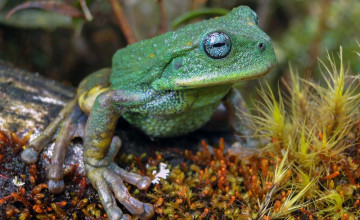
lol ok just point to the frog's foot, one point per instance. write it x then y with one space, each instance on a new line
110 179
107 178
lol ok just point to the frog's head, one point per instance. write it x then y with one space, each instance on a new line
218 51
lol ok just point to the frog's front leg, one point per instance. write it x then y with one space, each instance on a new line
100 149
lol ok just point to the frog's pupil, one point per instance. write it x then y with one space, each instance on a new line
217 45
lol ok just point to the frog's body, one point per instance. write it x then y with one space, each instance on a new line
166 86
175 113
166 113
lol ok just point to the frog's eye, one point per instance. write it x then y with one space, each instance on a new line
217 45
256 18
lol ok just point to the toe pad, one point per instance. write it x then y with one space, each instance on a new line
56 186
29 155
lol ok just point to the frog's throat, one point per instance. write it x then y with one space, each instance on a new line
206 81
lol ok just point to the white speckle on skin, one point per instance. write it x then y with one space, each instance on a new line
49 100
163 173
17 182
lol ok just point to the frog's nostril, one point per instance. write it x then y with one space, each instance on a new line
261 46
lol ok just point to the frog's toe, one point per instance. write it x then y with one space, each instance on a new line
106 197
143 210
29 155
149 211
144 183
56 186
141 182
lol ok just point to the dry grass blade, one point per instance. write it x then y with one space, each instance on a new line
123 22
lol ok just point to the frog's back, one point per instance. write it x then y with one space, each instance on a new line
142 62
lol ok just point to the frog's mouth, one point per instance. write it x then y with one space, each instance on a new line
207 81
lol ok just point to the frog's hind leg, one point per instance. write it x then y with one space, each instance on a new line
72 121
72 126
30 155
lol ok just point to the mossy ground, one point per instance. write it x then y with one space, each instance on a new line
309 167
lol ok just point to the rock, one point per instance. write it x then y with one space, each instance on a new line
28 102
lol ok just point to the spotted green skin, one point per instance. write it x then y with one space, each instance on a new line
182 85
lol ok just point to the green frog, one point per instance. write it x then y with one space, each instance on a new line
166 86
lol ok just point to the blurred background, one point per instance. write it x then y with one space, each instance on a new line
72 38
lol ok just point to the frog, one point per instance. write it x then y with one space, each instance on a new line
166 86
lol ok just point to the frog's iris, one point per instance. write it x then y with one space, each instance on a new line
217 45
